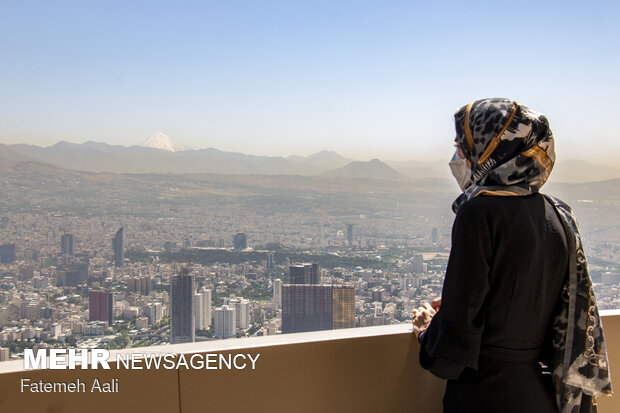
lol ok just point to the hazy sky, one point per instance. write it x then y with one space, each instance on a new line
364 78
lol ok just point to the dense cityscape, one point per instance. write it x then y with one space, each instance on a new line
111 260
94 285
116 298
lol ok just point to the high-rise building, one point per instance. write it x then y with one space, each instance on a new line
305 274
270 262
117 246
343 306
154 312
101 306
40 282
29 309
240 241
435 235
350 235
378 294
206 308
145 285
277 292
66 244
242 312
142 323
140 285
315 273
46 312
378 306
198 314
307 307
7 253
133 284
297 274
418 263
72 269
182 316
4 354
225 321
169 247
202 309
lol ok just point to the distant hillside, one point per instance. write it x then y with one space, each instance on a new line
324 160
422 169
576 171
609 190
374 169
9 158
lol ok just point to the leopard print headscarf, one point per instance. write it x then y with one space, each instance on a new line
509 146
511 152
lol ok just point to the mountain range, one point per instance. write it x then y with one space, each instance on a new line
167 157
374 169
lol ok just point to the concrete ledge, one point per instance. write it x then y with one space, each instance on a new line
362 369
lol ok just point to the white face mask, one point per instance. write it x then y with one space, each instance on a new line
460 170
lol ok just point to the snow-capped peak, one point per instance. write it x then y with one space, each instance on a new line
160 140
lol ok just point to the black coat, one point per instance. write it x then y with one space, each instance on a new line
506 269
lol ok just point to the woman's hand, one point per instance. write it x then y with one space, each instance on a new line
422 317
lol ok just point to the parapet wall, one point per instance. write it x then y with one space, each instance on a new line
372 369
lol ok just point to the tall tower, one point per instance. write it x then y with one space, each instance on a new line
225 321
306 307
277 292
240 241
305 274
418 263
7 253
315 273
198 313
297 274
140 284
343 306
66 244
100 306
242 312
350 237
206 307
182 317
117 246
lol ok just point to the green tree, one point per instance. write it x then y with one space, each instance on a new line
119 342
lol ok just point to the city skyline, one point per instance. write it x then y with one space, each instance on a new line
245 241
362 79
